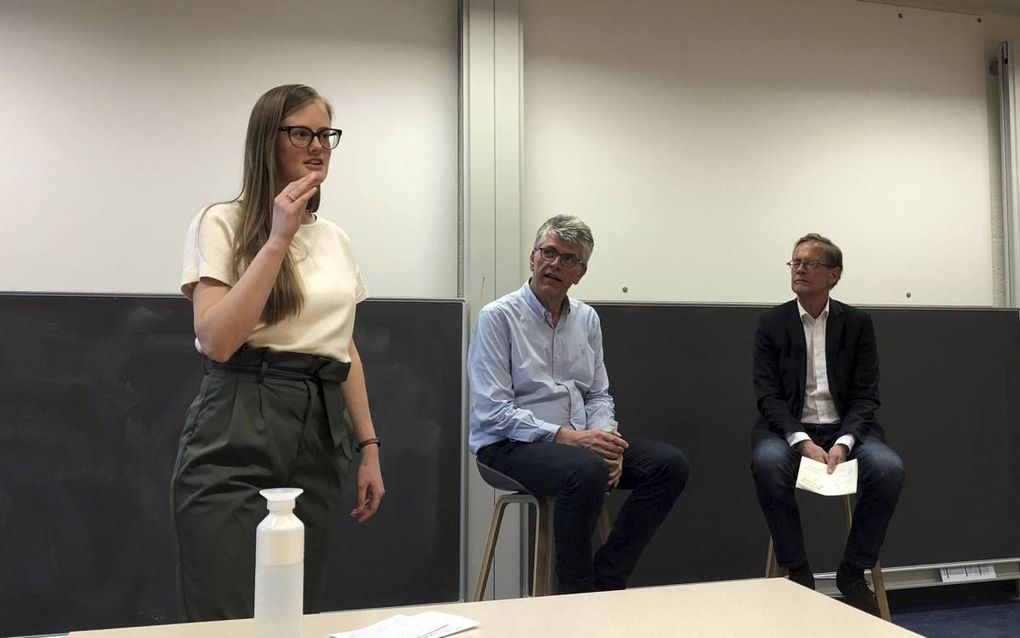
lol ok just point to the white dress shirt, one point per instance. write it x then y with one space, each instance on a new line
819 408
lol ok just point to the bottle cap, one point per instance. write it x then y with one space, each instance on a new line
281 498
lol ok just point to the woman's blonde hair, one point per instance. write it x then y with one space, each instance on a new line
260 186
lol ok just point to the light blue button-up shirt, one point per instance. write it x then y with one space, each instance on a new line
530 378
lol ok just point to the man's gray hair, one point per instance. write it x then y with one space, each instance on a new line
570 230
830 249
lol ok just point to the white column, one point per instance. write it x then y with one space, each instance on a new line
493 263
1009 76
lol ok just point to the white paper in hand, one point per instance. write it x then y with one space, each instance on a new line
814 477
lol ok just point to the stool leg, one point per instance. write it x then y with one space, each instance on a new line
876 572
848 513
490 548
771 565
543 532
883 601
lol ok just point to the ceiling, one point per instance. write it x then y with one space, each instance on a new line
1009 7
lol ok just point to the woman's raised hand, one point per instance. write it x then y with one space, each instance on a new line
289 206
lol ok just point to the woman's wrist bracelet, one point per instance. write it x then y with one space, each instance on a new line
367 442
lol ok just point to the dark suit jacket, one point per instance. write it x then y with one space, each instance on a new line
780 370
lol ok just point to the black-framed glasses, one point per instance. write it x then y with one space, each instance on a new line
550 254
302 136
810 264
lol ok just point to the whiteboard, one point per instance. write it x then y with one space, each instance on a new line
123 118
699 139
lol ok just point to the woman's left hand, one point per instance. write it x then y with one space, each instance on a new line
370 485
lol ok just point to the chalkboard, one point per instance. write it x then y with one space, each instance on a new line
950 390
93 391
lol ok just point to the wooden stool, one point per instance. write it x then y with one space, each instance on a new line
772 569
542 568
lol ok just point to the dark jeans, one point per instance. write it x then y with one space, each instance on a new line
577 477
880 478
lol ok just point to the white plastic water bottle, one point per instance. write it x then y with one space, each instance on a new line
279 567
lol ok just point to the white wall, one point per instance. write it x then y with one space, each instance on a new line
122 118
699 139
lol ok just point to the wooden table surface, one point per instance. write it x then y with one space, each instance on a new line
762 608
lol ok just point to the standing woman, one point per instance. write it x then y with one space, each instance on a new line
274 290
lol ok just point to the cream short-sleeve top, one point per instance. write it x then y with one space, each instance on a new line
325 264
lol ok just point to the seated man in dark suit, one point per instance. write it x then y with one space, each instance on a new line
816 380
541 413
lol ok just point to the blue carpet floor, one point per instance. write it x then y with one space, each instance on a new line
1000 620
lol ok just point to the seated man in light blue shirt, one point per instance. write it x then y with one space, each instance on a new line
541 414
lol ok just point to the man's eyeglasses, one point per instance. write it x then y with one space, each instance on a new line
550 254
810 264
302 136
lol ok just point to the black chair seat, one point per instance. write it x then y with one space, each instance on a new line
498 480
